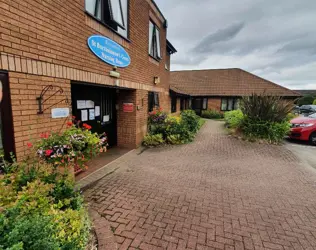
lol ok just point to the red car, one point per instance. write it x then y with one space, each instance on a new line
304 128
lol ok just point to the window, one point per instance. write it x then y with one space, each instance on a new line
113 13
154 41
173 104
204 107
229 103
153 101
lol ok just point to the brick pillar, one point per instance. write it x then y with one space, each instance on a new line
142 115
126 122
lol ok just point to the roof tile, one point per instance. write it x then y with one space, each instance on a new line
224 82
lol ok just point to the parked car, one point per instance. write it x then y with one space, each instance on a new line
304 128
307 109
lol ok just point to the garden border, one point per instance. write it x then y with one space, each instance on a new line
104 235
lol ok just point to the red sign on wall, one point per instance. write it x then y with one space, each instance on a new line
128 107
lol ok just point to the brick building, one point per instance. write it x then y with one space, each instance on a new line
219 89
45 51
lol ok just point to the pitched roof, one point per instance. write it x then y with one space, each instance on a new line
224 82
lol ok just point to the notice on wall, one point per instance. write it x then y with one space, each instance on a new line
81 104
106 118
60 113
91 115
84 115
128 107
97 111
89 104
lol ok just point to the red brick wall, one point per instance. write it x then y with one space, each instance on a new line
214 103
28 125
57 32
126 122
45 42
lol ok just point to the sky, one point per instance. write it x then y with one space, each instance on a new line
274 39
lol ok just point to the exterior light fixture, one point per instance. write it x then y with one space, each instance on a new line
156 80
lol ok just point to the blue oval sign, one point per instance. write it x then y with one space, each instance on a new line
109 51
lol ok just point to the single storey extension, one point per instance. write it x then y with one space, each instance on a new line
219 89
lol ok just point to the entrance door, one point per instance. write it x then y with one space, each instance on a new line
6 124
96 106
197 105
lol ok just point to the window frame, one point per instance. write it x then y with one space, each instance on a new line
154 103
206 104
108 25
235 100
152 40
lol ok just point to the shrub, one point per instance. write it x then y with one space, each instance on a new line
271 131
190 120
234 118
306 100
156 122
179 128
290 116
175 139
40 209
171 129
314 102
153 140
265 108
212 114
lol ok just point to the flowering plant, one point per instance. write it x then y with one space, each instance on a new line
157 117
75 146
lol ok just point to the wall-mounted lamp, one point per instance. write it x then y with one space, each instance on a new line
114 73
156 80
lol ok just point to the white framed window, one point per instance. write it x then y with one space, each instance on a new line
204 103
113 13
229 103
154 41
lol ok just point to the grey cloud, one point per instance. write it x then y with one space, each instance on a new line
271 37
208 43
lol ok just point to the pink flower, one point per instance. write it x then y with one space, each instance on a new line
48 152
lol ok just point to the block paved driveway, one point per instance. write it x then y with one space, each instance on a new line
215 193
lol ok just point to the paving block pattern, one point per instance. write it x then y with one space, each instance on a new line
215 193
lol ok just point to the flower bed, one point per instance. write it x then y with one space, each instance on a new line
168 129
39 206
261 117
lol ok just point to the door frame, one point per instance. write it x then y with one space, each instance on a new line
115 112
7 117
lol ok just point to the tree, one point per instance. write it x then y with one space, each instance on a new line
306 100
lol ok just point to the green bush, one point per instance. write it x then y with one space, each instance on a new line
212 114
290 116
271 131
314 102
306 100
179 128
172 129
265 108
153 140
190 120
234 118
41 210
175 139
